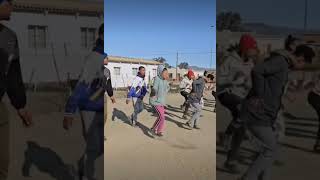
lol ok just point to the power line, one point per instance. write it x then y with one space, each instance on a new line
182 53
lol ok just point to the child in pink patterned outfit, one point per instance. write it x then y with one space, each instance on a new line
158 95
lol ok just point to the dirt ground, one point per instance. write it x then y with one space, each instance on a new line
298 161
134 154
52 152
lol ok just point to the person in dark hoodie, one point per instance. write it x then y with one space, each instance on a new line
260 109
196 101
234 84
11 83
107 88
91 108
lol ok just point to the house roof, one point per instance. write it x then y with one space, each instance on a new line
59 6
118 59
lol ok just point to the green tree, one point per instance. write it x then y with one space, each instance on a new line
163 61
229 21
183 65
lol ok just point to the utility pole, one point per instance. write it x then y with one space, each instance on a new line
212 46
305 15
177 66
211 61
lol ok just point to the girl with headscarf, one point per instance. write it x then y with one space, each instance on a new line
158 95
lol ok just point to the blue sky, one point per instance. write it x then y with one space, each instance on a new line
288 13
154 28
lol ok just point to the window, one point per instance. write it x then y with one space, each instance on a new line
88 37
154 72
170 75
117 71
134 71
37 36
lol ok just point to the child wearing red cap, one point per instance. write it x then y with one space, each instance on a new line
185 89
234 85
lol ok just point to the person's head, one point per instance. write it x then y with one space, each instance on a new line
196 75
248 47
303 54
6 8
106 60
190 74
291 43
205 73
162 72
210 77
142 71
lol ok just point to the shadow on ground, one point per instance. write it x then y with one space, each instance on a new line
46 161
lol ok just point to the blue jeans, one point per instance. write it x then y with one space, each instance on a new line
266 138
196 108
138 108
94 137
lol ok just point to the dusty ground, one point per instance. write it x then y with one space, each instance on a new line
296 151
134 154
55 150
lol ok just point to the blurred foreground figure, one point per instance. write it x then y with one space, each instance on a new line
261 107
88 98
11 83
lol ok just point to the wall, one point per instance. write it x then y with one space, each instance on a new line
126 76
62 30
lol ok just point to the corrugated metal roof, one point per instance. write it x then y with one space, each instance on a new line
59 6
119 59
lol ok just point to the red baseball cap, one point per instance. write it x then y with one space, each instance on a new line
247 42
190 73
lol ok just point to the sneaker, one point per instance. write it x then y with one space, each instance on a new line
160 134
189 125
133 122
153 131
232 168
196 127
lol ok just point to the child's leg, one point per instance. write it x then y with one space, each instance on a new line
162 119
4 150
196 115
135 110
94 140
314 101
138 108
158 125
4 141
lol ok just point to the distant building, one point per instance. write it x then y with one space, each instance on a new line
177 73
312 38
124 69
48 31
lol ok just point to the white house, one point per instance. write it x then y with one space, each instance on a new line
54 36
124 69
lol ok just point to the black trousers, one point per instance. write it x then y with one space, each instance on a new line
231 102
234 129
185 95
314 101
